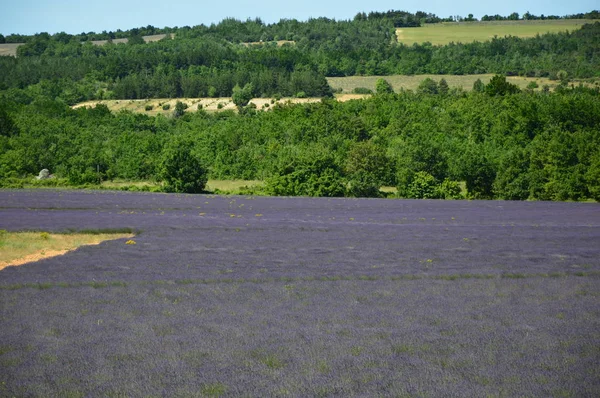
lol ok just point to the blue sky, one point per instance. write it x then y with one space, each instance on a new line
76 16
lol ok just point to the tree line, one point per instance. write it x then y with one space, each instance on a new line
286 29
493 142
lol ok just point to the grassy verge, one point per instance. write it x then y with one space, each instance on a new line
18 248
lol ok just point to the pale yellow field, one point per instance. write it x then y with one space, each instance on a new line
208 104
11 48
228 186
278 42
347 84
466 32
232 185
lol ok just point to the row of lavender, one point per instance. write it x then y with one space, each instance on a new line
210 237
235 296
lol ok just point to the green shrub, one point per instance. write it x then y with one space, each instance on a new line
316 174
180 169
449 190
166 107
423 186
362 90
149 108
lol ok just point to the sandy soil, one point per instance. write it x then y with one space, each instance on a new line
33 257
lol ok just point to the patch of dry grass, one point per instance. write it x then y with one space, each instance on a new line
347 84
279 43
227 186
18 248
208 104
9 49
467 32
232 185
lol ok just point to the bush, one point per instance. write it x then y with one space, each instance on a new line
362 185
181 170
499 86
362 90
301 94
315 175
382 86
449 190
148 108
166 107
242 96
180 108
423 186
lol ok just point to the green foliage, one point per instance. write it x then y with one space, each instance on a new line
428 86
201 61
478 86
533 145
382 86
7 126
180 108
181 170
242 96
362 90
367 169
443 87
499 86
592 177
512 180
478 172
423 186
314 174
449 190
166 107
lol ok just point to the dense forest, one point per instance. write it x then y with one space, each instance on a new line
495 141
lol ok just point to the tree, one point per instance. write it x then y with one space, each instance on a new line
180 169
314 173
478 86
428 86
7 126
382 86
423 186
180 108
499 86
242 96
592 177
368 169
443 87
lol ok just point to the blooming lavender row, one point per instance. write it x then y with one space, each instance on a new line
197 237
468 338
239 296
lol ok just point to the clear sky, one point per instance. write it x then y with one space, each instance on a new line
76 16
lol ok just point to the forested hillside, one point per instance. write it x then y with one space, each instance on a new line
210 61
497 141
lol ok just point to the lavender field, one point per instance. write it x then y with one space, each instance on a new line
257 296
